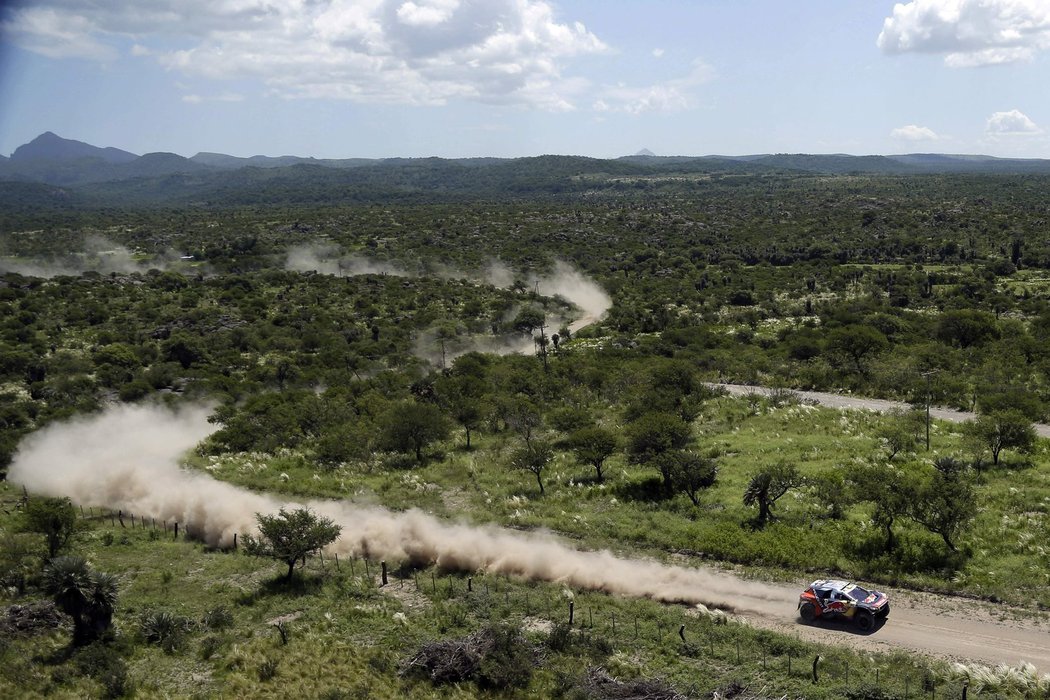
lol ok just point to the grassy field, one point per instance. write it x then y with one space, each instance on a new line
347 636
1006 555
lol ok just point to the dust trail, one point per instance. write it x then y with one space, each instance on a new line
98 255
128 458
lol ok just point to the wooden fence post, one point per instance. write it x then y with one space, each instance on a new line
681 632
383 564
572 607
816 659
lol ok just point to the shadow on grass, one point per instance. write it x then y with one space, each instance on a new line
649 490
299 585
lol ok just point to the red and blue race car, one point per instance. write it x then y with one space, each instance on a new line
832 599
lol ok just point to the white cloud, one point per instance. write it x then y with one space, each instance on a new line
969 32
668 96
912 132
394 51
658 53
1012 123
54 34
223 97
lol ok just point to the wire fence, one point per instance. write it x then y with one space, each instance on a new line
703 635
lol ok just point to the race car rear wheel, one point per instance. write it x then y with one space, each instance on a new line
865 621
808 612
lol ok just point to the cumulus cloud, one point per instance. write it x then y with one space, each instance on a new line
969 32
1012 123
394 51
913 132
668 96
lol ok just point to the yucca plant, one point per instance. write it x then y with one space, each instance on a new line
89 597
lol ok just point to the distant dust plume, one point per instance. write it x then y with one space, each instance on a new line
128 458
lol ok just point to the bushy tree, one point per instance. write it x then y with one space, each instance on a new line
946 503
289 536
533 456
1004 430
54 518
900 432
691 473
411 427
593 445
768 486
857 344
891 493
653 435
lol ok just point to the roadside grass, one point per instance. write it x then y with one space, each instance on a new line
1005 554
347 636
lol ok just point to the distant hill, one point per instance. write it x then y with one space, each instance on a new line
645 152
221 160
49 146
68 173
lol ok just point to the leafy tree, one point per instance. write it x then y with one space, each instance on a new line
1005 430
410 427
54 518
900 432
891 493
593 445
87 596
521 415
691 473
529 319
832 491
946 504
653 435
533 457
858 343
966 327
768 486
289 536
462 395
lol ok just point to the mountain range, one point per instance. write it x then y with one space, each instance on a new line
87 175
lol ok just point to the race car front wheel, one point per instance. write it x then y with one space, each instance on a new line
808 612
865 621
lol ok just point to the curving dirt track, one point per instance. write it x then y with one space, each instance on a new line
946 626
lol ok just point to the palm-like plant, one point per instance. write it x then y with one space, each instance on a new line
89 597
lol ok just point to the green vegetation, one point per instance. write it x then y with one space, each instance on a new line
377 380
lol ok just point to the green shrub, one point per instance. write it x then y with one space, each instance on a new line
218 618
165 629
267 669
103 663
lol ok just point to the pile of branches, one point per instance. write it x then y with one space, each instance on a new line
736 691
597 684
30 618
464 659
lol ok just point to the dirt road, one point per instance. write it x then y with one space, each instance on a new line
943 626
932 624
881 405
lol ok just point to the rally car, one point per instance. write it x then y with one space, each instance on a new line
830 599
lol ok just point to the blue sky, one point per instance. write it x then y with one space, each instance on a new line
603 78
